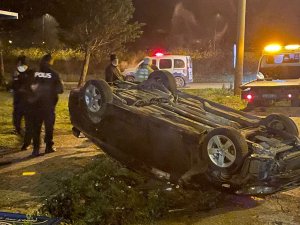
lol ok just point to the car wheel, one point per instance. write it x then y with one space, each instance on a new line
166 78
282 123
130 79
180 82
96 95
224 150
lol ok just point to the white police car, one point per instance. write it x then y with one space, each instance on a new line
179 65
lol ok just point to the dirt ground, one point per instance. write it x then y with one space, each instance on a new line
25 183
24 192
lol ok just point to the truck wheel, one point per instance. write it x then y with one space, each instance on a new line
282 123
295 102
96 94
224 149
180 82
166 78
130 79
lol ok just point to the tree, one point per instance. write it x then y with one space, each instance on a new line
96 26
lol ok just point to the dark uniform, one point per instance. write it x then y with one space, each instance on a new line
19 77
112 72
47 85
26 94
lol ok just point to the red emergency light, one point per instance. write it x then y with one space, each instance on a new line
249 97
159 54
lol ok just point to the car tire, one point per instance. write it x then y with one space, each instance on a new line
180 83
224 149
130 79
166 78
96 95
282 123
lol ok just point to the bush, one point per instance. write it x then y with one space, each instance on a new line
107 193
34 54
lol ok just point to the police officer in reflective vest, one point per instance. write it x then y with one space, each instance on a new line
46 87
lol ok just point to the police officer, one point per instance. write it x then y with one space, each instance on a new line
46 87
144 70
19 77
112 72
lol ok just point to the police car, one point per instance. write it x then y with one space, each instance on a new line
179 65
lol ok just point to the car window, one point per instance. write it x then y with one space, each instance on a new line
165 64
179 64
283 58
153 61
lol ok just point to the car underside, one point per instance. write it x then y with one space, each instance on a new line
156 130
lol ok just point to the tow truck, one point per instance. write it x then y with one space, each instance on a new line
277 77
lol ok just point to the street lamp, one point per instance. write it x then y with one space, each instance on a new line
239 70
45 18
217 18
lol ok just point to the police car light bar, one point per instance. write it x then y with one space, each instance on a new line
159 54
273 48
277 48
292 47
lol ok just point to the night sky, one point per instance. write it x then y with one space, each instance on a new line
267 21
186 23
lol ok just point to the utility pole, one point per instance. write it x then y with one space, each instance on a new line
239 71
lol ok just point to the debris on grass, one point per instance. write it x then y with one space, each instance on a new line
107 193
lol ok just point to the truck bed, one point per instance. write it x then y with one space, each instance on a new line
272 83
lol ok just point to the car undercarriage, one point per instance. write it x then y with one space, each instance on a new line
156 130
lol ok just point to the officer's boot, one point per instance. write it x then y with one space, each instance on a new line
49 148
35 152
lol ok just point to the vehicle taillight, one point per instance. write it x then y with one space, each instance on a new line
249 97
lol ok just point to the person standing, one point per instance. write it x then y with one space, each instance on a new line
112 72
46 87
18 79
144 70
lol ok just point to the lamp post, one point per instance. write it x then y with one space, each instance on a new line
217 18
239 70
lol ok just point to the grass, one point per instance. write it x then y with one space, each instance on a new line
222 96
107 193
10 141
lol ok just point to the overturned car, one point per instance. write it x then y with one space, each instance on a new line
157 130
